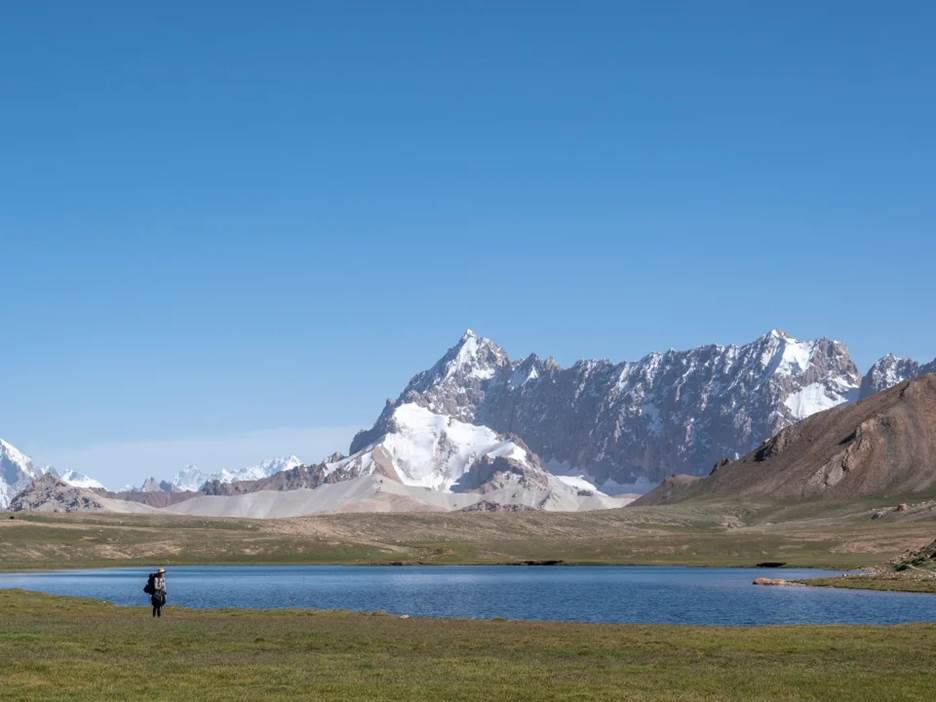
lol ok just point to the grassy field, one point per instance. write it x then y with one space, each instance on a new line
54 648
827 534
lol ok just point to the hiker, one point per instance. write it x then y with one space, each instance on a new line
156 589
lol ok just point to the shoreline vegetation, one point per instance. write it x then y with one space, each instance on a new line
55 647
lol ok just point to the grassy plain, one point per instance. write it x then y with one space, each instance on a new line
827 534
54 648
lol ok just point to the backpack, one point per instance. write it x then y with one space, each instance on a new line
150 588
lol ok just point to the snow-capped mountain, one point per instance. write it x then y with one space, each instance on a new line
439 460
76 479
17 471
617 424
192 479
189 478
436 451
890 370
431 450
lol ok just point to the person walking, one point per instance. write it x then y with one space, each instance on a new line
157 591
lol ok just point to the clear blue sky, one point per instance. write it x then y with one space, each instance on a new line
227 220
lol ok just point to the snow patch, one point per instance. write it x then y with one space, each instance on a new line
811 399
433 451
578 482
76 479
795 357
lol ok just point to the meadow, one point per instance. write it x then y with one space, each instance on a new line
55 648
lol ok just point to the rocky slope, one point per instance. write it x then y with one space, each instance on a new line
616 424
883 445
49 494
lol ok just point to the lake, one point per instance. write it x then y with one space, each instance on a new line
645 594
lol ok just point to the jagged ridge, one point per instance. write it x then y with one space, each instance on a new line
622 423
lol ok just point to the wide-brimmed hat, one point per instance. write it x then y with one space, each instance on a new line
161 570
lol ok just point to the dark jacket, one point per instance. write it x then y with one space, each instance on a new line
158 597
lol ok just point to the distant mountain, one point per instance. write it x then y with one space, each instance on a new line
434 453
617 424
883 445
76 479
192 479
189 478
890 370
48 493
17 471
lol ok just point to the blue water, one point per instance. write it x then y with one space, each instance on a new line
647 594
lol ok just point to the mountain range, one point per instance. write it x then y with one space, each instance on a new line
191 478
480 428
617 425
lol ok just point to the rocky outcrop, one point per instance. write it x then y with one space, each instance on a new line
778 582
49 494
921 559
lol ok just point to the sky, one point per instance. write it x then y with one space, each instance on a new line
231 231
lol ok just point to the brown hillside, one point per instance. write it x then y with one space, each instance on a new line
883 445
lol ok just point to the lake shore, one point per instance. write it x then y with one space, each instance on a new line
79 649
886 583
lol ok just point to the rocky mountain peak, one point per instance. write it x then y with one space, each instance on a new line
153 485
458 381
889 370
620 423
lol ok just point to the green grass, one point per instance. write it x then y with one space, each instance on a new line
54 648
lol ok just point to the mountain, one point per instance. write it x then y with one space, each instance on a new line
188 479
16 472
153 485
883 445
49 493
619 424
192 479
890 370
430 457
76 479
